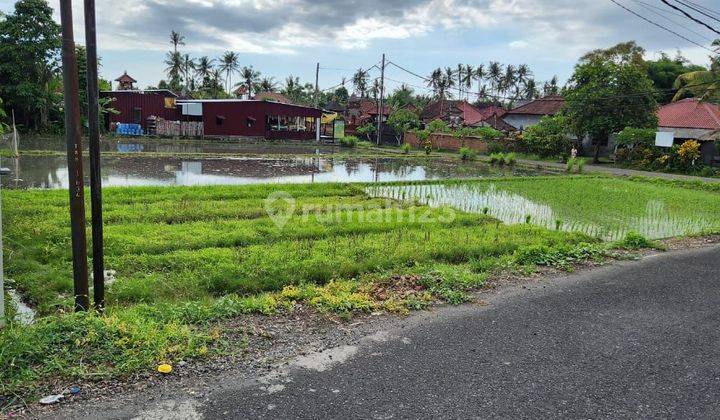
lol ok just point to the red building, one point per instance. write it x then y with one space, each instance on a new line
221 117
136 106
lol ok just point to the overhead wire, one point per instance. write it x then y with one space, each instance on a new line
650 7
691 17
661 26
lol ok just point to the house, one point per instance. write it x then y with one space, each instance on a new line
272 97
363 110
689 119
456 113
529 114
221 118
136 106
125 82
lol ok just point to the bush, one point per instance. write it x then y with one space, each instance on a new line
631 137
405 148
548 138
581 165
437 126
367 130
497 159
570 164
467 153
510 159
349 141
634 240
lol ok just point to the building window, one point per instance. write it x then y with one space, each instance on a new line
137 115
219 120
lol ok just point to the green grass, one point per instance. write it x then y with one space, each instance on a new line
188 257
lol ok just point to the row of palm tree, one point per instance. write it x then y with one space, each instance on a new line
190 74
495 82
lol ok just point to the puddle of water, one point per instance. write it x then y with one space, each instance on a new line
512 208
140 170
24 314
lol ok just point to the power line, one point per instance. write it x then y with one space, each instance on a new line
374 66
698 10
661 26
707 9
649 8
691 17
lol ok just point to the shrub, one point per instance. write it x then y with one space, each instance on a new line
467 153
570 164
437 126
509 159
497 159
367 130
548 138
634 240
349 141
631 137
581 165
405 148
689 152
427 145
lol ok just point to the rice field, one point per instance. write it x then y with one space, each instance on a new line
186 257
602 207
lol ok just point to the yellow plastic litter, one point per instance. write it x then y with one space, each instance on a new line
164 368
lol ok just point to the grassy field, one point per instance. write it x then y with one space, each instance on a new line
187 257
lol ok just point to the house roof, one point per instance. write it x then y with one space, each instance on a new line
438 109
497 122
335 106
142 91
125 78
484 113
690 113
549 105
272 96
367 106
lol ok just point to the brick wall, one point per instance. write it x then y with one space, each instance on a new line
449 142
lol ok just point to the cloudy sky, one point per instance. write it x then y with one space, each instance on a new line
281 37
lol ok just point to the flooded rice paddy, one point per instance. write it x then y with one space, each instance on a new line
514 208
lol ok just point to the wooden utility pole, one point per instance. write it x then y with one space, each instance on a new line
94 132
74 157
380 100
317 85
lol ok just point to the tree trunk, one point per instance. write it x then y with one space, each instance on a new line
596 157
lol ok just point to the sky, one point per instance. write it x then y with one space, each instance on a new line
283 37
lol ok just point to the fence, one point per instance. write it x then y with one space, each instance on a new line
448 142
178 128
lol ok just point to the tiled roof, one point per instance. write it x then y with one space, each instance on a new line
367 106
483 113
272 96
549 105
690 113
125 78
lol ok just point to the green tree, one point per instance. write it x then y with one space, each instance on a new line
549 138
664 71
359 81
610 90
704 84
401 97
249 79
229 64
402 121
29 54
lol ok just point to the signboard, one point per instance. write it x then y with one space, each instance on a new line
664 138
339 129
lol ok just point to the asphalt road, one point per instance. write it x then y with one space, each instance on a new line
636 340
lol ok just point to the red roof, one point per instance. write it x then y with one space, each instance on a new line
125 78
483 113
549 105
368 107
439 109
690 113
272 96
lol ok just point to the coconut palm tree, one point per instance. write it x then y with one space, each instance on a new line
523 73
229 64
188 65
449 80
176 39
435 80
494 76
509 79
204 68
174 67
480 77
467 79
531 90
249 79
359 81
703 84
460 73
267 84
551 87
